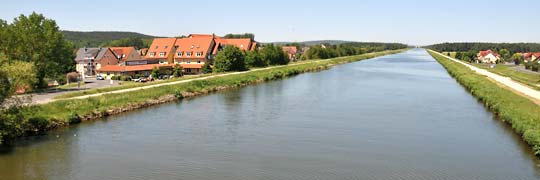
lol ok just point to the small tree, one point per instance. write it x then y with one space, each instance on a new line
177 71
155 72
517 58
206 68
230 59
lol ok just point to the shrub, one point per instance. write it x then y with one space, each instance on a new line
206 68
230 59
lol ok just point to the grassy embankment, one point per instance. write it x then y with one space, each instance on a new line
520 112
40 118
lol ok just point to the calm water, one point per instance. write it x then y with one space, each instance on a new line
395 117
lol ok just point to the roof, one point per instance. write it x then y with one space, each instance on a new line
145 67
536 54
200 35
244 44
487 52
160 45
88 53
290 49
122 52
192 66
194 44
253 46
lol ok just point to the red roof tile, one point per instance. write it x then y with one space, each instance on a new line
192 66
194 44
160 45
123 52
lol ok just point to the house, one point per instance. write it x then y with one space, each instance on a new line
91 59
162 49
291 52
488 56
535 56
126 53
193 52
142 70
530 56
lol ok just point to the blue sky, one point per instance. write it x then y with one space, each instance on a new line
417 22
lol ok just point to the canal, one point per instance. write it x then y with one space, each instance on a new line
394 117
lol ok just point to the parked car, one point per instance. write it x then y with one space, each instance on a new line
141 79
99 77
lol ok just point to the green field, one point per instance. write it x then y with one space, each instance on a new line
528 78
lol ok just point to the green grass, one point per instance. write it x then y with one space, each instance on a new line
530 79
40 118
520 112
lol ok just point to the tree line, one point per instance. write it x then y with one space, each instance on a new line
325 51
231 58
473 46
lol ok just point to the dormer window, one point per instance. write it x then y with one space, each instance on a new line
166 47
241 46
157 47
199 54
152 54
179 54
162 54
188 54
192 46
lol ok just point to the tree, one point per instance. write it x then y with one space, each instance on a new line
517 58
505 55
274 55
255 59
230 59
206 68
236 36
38 40
155 72
130 42
177 70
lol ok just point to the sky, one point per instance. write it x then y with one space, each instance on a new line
414 22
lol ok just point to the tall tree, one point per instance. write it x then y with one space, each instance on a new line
38 40
505 54
230 59
255 59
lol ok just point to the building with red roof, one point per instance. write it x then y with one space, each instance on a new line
193 52
291 52
126 53
162 49
488 56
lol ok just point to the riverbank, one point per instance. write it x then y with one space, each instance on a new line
520 112
41 118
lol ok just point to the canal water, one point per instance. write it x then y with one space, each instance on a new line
394 117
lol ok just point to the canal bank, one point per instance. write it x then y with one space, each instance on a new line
41 118
520 112
395 117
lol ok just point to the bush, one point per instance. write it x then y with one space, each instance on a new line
274 55
125 78
177 71
534 66
38 124
206 68
72 77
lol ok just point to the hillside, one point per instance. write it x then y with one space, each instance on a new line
98 38
311 43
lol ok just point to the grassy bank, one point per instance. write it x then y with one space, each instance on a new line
40 118
520 112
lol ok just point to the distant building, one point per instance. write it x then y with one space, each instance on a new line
162 49
291 52
488 56
89 60
143 70
126 53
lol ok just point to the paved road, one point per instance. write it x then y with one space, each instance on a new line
48 96
503 80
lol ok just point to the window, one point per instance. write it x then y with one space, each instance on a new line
199 54
162 54
152 54
179 54
157 47
188 70
241 46
188 54
188 61
166 47
192 46
199 62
